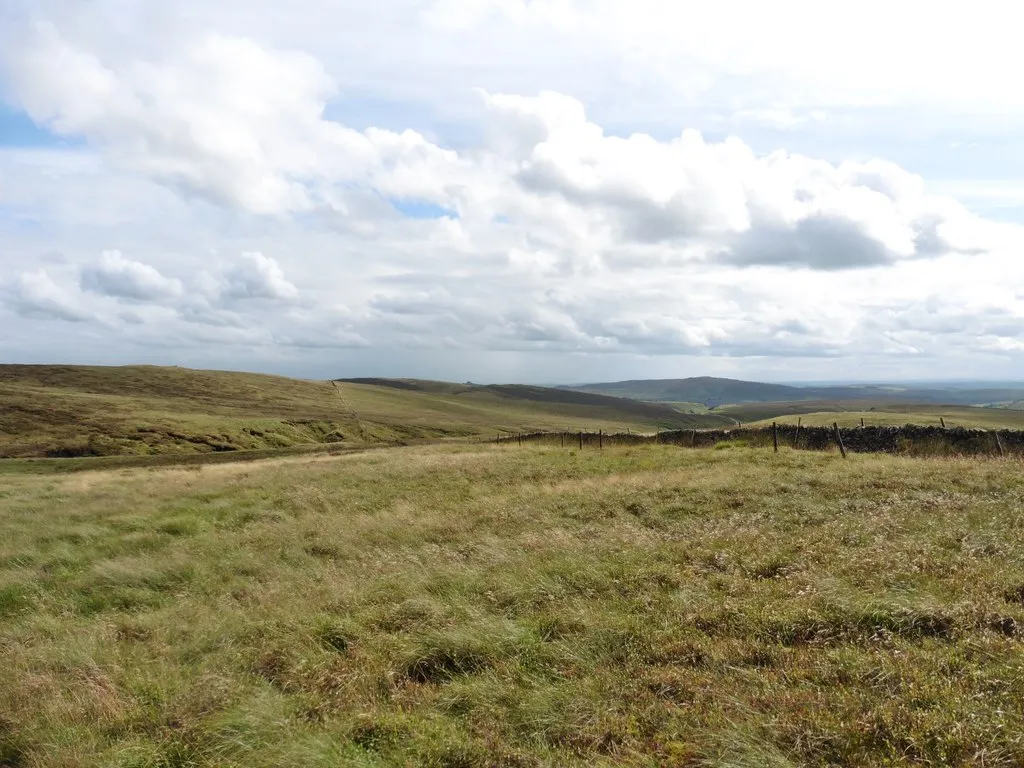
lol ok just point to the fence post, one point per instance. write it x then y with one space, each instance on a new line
581 439
600 439
839 438
862 421
693 439
799 423
775 436
562 436
999 443
942 421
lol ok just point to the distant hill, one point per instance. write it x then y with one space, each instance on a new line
714 392
557 408
70 411
703 389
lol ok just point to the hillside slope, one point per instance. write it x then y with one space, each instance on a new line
509 407
97 410
404 408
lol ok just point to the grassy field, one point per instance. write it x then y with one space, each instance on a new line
849 414
485 606
67 411
686 407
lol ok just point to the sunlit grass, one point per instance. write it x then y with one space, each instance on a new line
516 606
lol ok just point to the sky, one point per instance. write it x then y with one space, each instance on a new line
546 191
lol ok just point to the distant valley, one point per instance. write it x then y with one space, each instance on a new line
713 392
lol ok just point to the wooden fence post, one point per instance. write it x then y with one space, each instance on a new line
693 439
799 423
839 438
581 439
520 438
862 421
942 421
562 436
600 439
999 443
775 436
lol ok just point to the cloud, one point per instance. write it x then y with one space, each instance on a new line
224 118
219 116
779 117
36 296
203 314
257 277
762 55
114 275
243 124
819 242
596 213
324 338
777 209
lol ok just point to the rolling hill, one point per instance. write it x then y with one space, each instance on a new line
708 390
714 392
551 405
69 411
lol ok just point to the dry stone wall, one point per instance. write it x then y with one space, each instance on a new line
908 439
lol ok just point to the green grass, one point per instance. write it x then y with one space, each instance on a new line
74 411
479 606
686 407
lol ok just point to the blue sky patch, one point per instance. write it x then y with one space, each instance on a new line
421 209
14 219
18 130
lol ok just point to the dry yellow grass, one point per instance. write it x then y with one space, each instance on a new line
476 605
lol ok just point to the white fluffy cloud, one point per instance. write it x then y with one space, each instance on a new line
505 219
722 198
114 275
220 116
34 295
257 277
